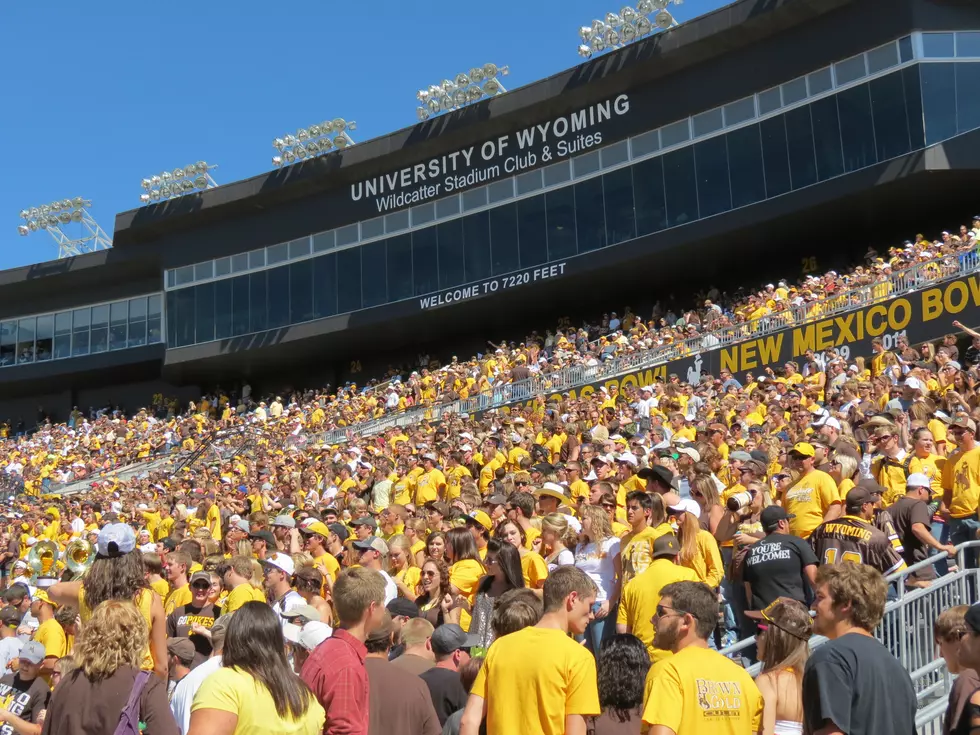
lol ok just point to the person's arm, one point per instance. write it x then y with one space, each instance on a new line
65 593
966 329
833 512
473 714
212 722
660 730
574 725
21 727
922 533
158 636
768 691
810 571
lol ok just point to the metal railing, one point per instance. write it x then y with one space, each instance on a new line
906 630
910 279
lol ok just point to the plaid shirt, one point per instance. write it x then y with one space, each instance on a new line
336 674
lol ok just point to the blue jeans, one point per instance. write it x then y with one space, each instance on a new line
962 530
600 630
940 532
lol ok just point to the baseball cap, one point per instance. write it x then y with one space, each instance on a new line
690 452
687 505
266 536
964 422
372 542
200 577
340 529
182 648
772 515
480 517
307 612
282 562
497 499
284 521
317 527
439 507
115 539
918 479
33 652
971 618
787 614
804 449
666 545
740 456
365 521
241 525
858 496
543 467
10 616
312 634
403 607
450 637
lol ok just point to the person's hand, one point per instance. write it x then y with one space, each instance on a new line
958 324
446 604
13 664
950 550
603 610
743 539
200 630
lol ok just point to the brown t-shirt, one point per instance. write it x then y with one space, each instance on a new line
608 724
959 696
80 706
413 664
399 701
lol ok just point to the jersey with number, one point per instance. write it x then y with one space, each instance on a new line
850 538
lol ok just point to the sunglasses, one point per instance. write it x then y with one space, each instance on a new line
201 586
429 574
662 611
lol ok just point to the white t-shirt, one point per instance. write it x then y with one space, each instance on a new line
391 589
183 697
565 558
599 564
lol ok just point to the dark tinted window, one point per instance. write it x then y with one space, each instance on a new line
476 245
745 166
560 205
681 187
590 219
451 265
301 291
183 314
775 156
239 305
258 307
799 142
325 286
648 196
891 124
967 96
503 239
714 189
532 230
425 264
374 273
222 308
348 280
938 101
400 268
204 311
913 106
857 127
617 190
278 297
826 138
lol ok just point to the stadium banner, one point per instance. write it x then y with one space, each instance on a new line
537 145
921 316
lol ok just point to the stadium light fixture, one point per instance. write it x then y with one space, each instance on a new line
177 183
313 141
463 89
628 25
52 217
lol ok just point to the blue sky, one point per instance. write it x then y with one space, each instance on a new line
100 95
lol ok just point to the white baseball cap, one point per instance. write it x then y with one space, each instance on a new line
918 479
281 562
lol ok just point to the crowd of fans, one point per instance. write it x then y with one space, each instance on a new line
572 565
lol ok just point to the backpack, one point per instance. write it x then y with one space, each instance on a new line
129 718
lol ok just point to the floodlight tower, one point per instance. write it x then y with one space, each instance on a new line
463 89
626 26
52 217
313 141
177 183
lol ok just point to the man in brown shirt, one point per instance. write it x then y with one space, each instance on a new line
399 702
417 657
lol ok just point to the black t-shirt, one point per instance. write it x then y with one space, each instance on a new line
774 567
26 699
855 682
448 694
907 512
179 624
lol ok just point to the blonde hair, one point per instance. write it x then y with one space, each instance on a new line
601 527
557 523
302 559
115 636
687 532
400 541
